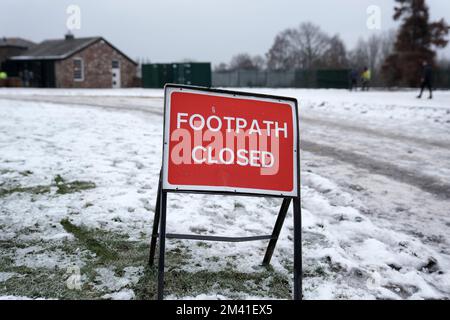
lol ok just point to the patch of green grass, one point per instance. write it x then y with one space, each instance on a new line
71 187
315 271
38 282
5 171
85 237
112 251
115 252
33 190
182 283
43 283
88 204
26 173
238 205
63 187
203 244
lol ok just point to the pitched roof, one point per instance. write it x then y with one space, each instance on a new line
56 49
16 42
62 49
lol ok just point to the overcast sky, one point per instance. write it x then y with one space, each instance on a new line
202 30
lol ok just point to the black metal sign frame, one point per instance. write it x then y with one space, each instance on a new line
159 222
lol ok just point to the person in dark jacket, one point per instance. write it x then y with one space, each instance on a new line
353 79
426 80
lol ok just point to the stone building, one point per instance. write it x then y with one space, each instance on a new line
74 63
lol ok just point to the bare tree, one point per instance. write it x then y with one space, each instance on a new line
241 61
387 44
302 47
259 62
244 61
312 44
359 56
335 55
373 51
221 67
283 54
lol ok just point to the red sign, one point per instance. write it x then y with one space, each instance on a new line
220 141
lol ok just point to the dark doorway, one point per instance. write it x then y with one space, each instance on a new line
34 73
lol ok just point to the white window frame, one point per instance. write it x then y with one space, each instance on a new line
118 63
82 69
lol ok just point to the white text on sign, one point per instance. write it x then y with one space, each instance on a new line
245 143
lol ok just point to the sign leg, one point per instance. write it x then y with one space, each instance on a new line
297 250
151 259
162 245
276 230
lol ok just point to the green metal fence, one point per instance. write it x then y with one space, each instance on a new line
156 75
442 79
332 79
280 79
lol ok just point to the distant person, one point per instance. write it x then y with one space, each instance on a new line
366 76
27 77
353 80
3 78
426 80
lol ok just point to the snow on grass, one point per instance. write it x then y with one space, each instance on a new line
364 256
5 276
76 144
220 296
40 257
78 188
107 279
125 294
11 297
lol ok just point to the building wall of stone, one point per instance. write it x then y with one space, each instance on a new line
97 61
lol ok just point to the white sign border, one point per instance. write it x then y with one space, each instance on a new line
168 90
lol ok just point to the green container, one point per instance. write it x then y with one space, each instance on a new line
322 78
338 79
156 75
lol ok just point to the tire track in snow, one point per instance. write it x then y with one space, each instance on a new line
104 102
373 132
424 182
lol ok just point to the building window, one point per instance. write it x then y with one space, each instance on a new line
115 64
78 69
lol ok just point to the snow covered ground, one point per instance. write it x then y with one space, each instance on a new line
78 177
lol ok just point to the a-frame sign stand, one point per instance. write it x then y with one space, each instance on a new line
160 222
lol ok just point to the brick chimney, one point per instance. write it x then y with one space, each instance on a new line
69 36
